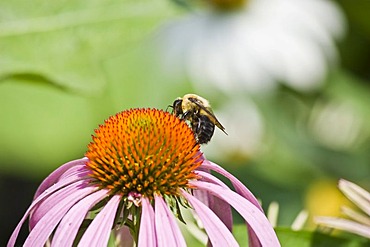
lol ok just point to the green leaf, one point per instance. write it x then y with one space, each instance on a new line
290 238
240 233
304 238
65 43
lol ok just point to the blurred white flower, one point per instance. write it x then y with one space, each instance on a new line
337 125
253 47
245 128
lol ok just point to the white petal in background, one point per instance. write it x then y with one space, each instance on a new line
245 129
251 49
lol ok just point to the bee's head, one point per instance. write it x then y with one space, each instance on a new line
177 106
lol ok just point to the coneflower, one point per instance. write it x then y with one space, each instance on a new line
141 167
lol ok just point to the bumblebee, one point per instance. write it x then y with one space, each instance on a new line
198 112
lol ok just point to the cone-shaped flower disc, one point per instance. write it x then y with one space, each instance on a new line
143 151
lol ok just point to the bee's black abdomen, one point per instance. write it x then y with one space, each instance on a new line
197 113
203 129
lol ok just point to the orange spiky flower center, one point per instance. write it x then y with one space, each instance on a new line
143 152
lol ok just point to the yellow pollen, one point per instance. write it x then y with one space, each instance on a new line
146 151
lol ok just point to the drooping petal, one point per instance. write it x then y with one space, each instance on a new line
46 225
34 205
79 171
147 236
217 232
59 196
207 177
253 239
255 218
55 175
221 208
167 231
71 222
344 224
123 237
242 190
202 196
239 186
97 234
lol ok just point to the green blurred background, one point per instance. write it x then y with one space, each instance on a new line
65 66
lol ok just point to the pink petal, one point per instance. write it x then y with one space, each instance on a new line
253 239
71 222
79 171
255 218
167 231
221 208
45 226
202 196
239 186
241 189
46 205
217 232
54 176
123 237
97 234
147 237
207 177
34 205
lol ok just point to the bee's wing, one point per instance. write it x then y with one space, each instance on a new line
210 114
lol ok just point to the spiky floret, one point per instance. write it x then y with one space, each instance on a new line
144 151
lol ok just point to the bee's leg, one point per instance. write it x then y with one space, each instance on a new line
170 106
198 126
186 115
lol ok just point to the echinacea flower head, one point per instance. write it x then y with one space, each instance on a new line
141 167
130 153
